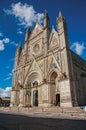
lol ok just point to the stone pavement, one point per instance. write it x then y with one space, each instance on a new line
24 122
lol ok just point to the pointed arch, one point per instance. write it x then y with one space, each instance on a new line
33 76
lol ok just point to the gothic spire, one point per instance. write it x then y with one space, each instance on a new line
45 13
46 19
27 33
28 29
60 15
19 45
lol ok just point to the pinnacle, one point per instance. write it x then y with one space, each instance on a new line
45 13
20 44
52 26
60 14
28 29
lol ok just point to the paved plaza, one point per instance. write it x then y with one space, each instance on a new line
9 121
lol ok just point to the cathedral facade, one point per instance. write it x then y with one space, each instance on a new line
46 71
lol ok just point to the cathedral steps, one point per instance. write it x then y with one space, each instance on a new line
53 112
45 109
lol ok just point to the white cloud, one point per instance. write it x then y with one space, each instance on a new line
25 14
78 47
13 43
2 41
8 78
19 31
1 35
6 40
5 92
1 45
10 74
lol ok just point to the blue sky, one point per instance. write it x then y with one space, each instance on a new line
16 16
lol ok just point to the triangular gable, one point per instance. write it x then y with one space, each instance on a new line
41 64
53 40
36 30
33 66
52 65
53 32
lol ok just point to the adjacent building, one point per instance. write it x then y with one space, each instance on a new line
4 101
